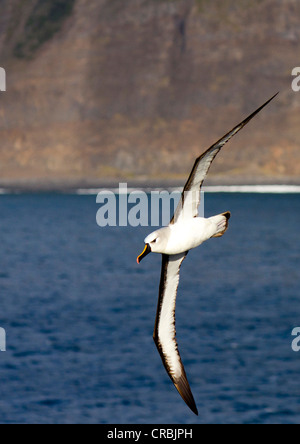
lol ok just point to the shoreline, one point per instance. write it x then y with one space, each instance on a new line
210 186
66 185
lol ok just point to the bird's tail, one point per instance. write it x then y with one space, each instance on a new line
221 222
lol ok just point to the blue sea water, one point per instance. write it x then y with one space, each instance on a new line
79 315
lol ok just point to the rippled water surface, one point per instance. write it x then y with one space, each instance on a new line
79 315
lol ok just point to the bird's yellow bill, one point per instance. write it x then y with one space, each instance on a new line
145 253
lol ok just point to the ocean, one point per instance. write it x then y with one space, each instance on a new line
79 315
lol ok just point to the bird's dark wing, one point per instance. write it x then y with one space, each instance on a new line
191 196
165 330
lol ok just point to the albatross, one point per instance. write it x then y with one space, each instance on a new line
186 231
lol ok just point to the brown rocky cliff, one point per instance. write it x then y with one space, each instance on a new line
114 89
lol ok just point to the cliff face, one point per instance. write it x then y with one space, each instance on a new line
100 89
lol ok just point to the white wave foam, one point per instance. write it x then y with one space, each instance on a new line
249 189
261 189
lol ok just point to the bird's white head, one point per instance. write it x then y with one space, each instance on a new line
155 243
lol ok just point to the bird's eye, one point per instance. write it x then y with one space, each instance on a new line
154 242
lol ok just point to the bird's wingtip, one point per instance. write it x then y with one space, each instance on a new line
275 95
184 390
195 411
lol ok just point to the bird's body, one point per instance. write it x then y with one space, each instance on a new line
186 231
187 235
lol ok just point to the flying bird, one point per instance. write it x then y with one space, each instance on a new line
186 231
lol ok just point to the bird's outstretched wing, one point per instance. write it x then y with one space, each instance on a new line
191 196
165 330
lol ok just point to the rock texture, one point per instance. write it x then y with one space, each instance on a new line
103 90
